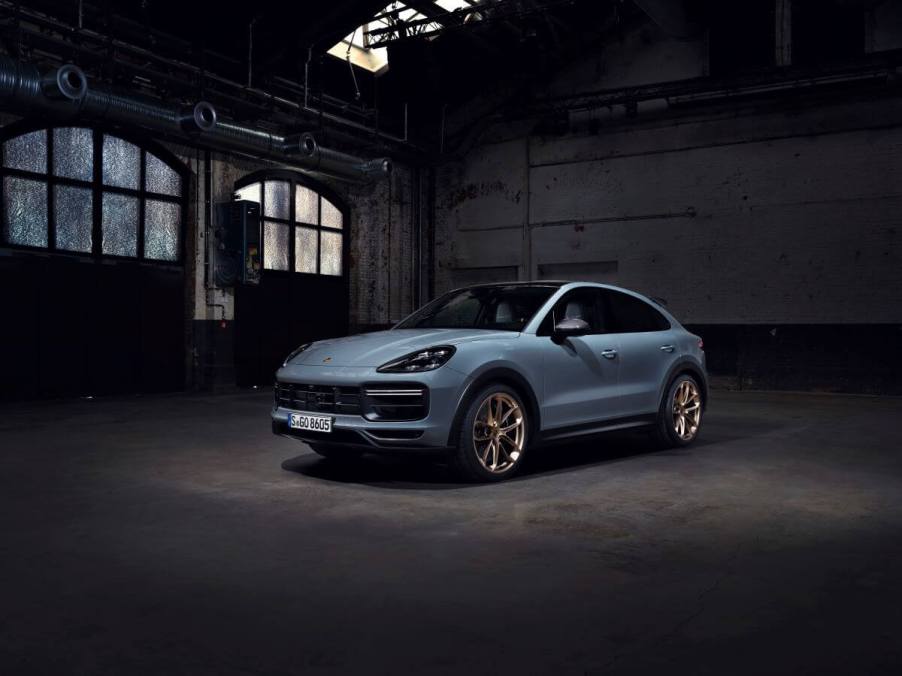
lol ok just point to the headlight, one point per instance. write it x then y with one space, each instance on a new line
295 353
416 362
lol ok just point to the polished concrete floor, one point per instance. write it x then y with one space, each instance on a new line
176 535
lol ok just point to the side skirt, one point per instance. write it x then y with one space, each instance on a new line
588 429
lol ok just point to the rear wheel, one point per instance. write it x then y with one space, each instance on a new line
680 416
493 435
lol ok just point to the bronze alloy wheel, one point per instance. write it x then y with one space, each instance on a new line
687 410
499 432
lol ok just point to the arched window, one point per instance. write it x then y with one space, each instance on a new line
303 224
85 191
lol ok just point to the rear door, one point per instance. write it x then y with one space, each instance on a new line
648 348
580 374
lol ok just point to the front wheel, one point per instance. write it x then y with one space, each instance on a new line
680 416
493 435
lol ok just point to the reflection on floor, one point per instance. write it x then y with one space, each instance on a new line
176 535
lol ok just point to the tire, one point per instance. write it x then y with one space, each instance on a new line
667 430
473 458
334 452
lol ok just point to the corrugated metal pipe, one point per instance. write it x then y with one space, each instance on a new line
64 92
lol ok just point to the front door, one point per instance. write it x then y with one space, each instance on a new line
581 374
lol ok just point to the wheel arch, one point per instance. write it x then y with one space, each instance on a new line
504 376
686 366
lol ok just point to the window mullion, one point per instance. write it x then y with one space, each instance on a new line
262 226
97 196
319 236
292 227
139 248
51 198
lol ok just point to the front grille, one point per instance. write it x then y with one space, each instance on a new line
377 402
318 398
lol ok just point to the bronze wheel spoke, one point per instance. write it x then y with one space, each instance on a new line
687 410
485 455
501 427
507 415
507 456
512 426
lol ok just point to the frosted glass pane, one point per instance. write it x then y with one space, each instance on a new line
73 153
305 250
73 213
120 225
121 163
160 177
275 246
331 215
24 211
162 225
27 152
250 193
276 199
330 254
305 205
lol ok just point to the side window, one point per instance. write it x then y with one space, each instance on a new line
628 314
582 304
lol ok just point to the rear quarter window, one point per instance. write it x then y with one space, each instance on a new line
629 314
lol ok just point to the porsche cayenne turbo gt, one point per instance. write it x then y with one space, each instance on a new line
488 372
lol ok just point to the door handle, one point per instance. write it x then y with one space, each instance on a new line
667 348
609 353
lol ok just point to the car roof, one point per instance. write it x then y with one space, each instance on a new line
569 283
557 283
534 282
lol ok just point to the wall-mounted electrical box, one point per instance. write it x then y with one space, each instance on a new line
238 256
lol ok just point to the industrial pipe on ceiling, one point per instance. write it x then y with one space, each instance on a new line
64 92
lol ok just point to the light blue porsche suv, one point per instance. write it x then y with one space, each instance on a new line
488 372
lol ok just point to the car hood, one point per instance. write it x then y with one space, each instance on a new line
375 349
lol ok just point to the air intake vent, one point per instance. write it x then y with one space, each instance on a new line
395 402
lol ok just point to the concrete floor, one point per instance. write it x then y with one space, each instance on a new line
175 535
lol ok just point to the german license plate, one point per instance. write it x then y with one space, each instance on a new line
312 423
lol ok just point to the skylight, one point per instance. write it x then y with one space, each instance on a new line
451 5
358 48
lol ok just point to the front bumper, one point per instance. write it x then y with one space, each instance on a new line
445 387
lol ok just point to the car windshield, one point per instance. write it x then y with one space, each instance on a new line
504 308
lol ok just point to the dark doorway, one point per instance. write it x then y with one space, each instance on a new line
283 312
303 291
92 284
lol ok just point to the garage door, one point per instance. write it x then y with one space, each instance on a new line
303 290
91 264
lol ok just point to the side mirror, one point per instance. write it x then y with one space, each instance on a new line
567 328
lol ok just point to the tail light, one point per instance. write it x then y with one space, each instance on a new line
701 344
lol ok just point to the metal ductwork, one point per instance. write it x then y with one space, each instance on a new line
327 160
201 117
64 92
